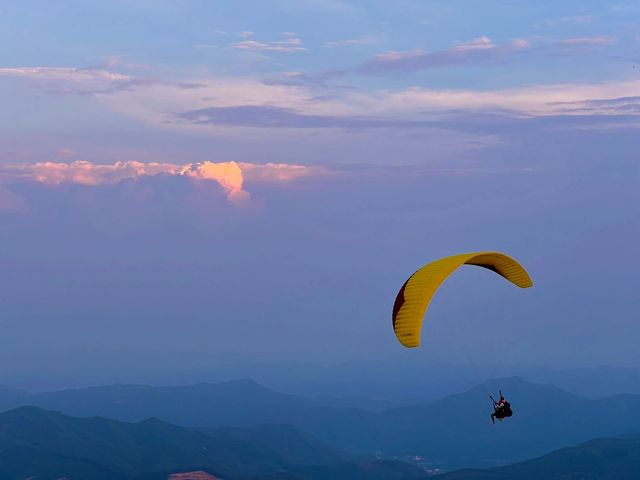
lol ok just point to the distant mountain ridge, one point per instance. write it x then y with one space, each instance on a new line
451 432
599 459
36 443
293 445
375 384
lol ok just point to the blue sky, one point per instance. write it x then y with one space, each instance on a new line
259 178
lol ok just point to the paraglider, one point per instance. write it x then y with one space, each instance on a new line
501 408
416 293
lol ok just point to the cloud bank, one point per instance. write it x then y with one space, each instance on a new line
294 102
231 176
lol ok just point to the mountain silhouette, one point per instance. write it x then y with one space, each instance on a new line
452 432
36 443
600 459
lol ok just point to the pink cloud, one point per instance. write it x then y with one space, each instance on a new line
72 80
229 175
83 172
278 172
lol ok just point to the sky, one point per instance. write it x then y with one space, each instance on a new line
256 180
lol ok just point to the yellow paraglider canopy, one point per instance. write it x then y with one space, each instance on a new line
416 293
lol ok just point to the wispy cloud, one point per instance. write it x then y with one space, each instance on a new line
588 41
225 105
613 106
481 50
420 108
241 34
350 42
290 43
294 78
264 116
120 61
73 80
279 172
559 99
83 81
479 43
567 20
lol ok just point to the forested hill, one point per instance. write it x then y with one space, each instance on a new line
601 459
36 443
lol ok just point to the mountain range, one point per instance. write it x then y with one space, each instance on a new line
599 459
401 379
46 445
452 432
43 445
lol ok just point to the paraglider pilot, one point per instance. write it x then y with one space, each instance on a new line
501 408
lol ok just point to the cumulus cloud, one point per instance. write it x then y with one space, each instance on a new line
229 175
83 172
